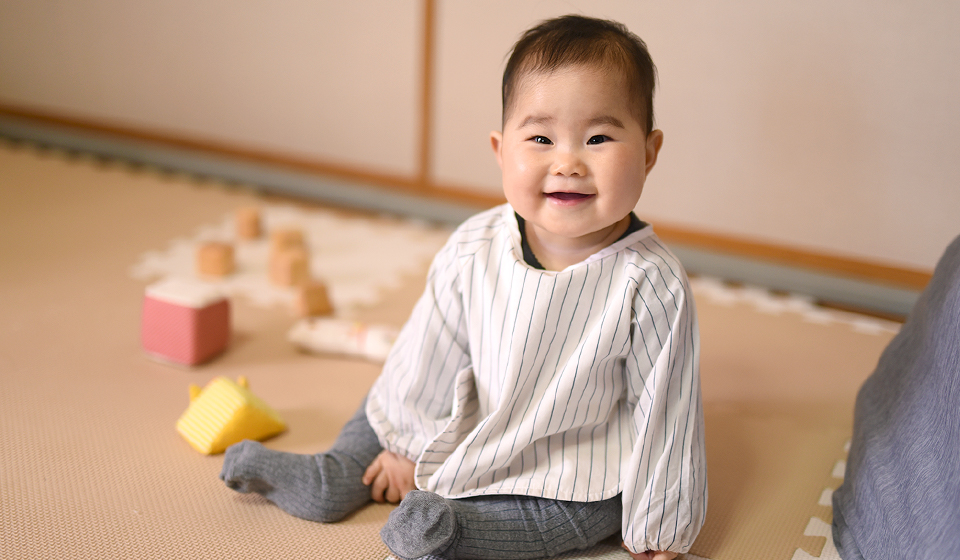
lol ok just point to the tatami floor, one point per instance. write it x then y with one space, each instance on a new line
91 466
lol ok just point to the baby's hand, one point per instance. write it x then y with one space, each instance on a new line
652 554
390 477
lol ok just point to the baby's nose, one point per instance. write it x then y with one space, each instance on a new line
568 163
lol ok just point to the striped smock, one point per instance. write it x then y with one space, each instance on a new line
576 385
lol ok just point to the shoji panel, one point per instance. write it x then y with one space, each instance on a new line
313 79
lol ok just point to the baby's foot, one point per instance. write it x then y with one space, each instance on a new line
422 524
244 467
322 487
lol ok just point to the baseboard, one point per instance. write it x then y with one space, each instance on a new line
231 167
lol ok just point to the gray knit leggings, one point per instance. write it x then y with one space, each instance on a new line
327 487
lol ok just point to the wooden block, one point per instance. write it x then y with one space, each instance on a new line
290 267
248 223
286 238
313 300
215 259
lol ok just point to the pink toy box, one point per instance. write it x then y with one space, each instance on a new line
184 322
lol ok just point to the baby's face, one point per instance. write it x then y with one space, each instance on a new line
573 155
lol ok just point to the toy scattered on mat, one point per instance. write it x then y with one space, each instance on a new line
313 300
339 336
290 267
184 322
224 413
286 238
289 258
247 222
215 259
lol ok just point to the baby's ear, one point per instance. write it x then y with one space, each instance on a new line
496 141
654 143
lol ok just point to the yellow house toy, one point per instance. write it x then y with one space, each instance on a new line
224 413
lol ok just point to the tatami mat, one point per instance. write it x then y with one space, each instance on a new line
91 466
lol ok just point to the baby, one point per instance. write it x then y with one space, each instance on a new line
545 393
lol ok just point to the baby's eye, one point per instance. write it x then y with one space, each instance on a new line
598 139
541 140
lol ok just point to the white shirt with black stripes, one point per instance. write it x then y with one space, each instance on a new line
576 385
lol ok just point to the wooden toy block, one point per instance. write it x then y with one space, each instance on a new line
215 259
313 300
224 413
286 238
290 267
184 323
248 223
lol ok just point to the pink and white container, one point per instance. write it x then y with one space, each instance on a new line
184 322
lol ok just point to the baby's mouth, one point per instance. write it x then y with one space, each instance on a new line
568 196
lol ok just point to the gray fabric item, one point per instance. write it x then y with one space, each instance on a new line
901 492
497 527
843 538
422 524
325 487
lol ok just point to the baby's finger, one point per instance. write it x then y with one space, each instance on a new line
379 487
374 470
393 495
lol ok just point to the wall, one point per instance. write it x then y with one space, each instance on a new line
326 80
826 127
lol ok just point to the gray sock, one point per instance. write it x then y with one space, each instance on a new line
325 487
497 527
423 523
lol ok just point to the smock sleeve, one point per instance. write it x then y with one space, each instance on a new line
665 485
412 400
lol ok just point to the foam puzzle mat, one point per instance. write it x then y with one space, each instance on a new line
92 467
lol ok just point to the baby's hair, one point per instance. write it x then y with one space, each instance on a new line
573 40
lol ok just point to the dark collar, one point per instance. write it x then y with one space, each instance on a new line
636 224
